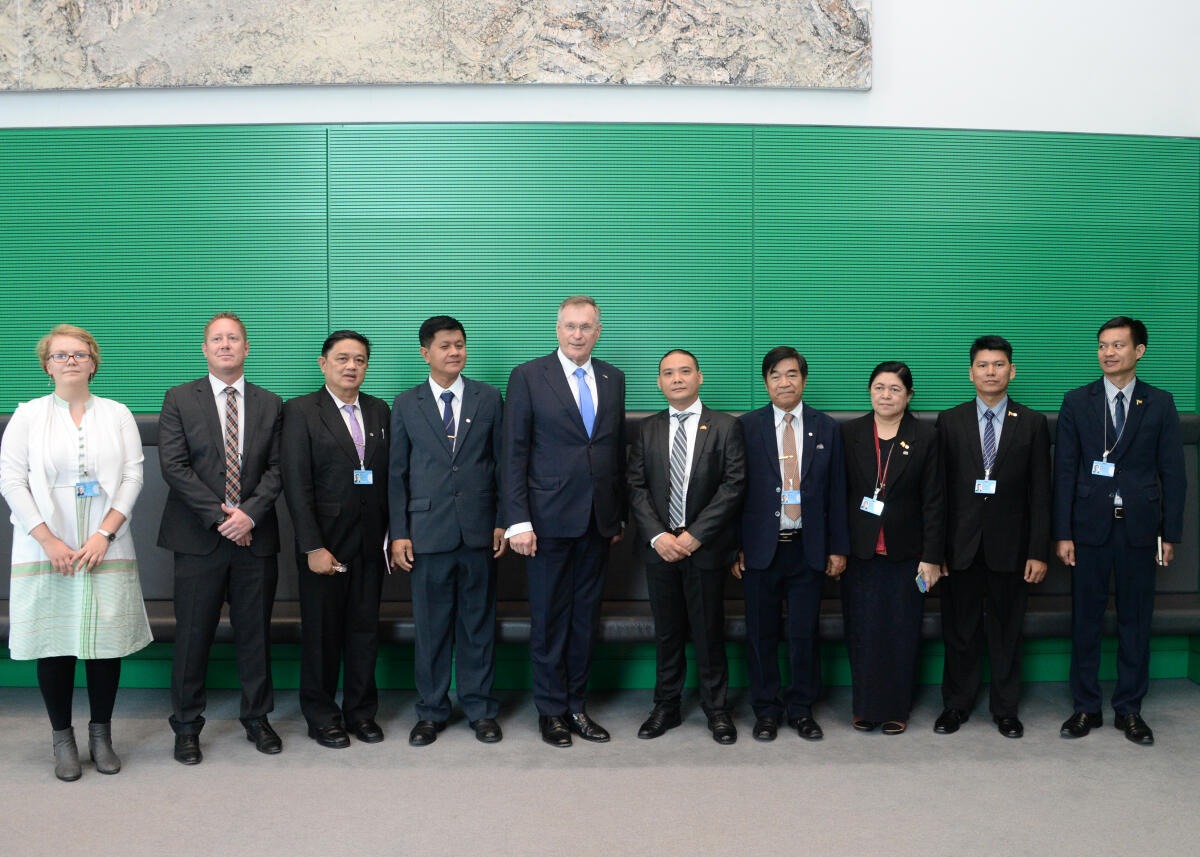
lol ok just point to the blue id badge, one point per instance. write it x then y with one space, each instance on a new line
364 477
791 498
1104 468
90 488
871 506
985 486
921 584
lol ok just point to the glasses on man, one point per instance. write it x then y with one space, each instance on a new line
63 357
572 327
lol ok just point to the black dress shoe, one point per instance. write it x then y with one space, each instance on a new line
662 718
265 739
949 721
1080 723
487 730
1135 729
808 728
334 736
554 729
587 728
187 750
425 732
1010 727
766 728
720 723
367 731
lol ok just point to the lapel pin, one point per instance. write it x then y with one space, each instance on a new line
370 434
1012 414
1139 401
810 434
904 444
703 428
602 375
467 420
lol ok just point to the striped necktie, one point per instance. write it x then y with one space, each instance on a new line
679 457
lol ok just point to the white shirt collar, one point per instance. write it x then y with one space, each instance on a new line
218 386
1110 389
694 408
797 412
338 402
569 366
456 388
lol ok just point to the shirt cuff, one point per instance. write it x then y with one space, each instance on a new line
518 529
656 538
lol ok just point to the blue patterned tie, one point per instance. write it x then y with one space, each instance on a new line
1119 415
587 409
989 442
448 416
678 472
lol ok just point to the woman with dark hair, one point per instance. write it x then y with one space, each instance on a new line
897 535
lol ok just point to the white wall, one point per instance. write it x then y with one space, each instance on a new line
1118 66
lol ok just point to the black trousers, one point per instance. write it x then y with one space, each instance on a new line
681 595
566 580
339 626
202 584
1134 569
788 580
454 606
979 603
56 680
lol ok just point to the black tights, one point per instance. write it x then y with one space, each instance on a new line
56 678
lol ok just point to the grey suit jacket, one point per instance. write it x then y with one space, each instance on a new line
441 497
191 451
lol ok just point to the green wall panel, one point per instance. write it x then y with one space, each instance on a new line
854 244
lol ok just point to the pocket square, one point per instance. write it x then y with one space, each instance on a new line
820 446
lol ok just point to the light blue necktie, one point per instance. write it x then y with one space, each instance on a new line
587 408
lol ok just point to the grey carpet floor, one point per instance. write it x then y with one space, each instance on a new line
973 793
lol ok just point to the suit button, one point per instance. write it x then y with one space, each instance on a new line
455 468
776 514
777 490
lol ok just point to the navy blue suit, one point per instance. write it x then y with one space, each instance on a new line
571 488
445 499
1151 481
789 571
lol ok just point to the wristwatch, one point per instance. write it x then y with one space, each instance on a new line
112 537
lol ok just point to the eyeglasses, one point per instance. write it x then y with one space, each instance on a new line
572 327
63 357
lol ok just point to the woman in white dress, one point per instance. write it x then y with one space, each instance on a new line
71 470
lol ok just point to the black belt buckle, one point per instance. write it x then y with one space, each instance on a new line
1119 512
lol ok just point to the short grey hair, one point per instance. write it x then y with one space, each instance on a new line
579 300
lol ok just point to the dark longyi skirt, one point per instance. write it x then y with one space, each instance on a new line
882 608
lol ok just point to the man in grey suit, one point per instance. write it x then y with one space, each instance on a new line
218 444
443 490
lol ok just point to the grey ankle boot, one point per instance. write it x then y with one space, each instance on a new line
66 755
100 746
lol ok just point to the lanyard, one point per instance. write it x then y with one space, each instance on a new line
1108 416
881 469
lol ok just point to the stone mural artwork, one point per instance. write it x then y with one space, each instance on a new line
100 44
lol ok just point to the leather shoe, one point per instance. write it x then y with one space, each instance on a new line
1135 728
367 731
720 723
1010 727
766 728
808 728
487 730
1080 723
187 750
949 721
587 728
264 738
333 736
554 729
425 732
662 718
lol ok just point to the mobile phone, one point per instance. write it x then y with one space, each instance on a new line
921 585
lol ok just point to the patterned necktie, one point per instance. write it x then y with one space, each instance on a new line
989 441
360 445
1119 415
791 466
679 462
233 461
587 409
448 416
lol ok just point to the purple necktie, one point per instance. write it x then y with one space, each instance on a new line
356 432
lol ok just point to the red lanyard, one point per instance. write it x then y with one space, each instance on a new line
881 468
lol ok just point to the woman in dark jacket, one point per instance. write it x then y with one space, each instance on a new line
897 536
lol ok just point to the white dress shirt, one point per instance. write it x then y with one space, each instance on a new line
218 388
455 404
786 523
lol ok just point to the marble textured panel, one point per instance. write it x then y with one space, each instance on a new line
73 44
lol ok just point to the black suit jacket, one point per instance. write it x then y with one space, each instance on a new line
554 475
191 451
1149 460
441 498
822 489
1013 524
914 511
319 459
716 484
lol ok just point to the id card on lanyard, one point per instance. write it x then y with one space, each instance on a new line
873 505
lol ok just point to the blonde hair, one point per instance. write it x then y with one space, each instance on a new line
232 316
75 332
578 300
